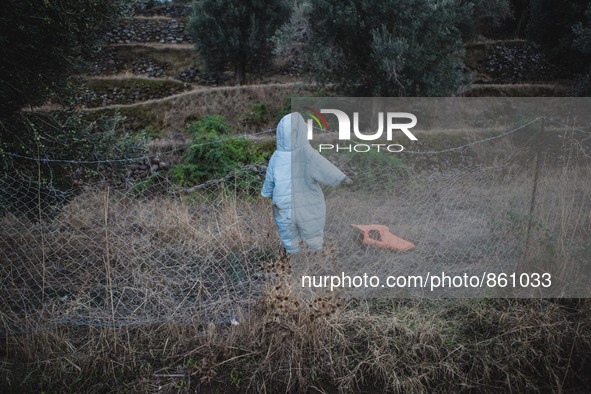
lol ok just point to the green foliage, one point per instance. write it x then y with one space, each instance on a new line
495 10
213 155
219 158
483 11
370 166
284 110
209 124
235 378
65 135
259 115
236 33
389 48
551 26
582 42
152 132
187 174
153 184
68 138
582 33
43 42
289 40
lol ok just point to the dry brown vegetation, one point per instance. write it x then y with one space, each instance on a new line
517 90
142 290
174 112
136 290
177 57
287 344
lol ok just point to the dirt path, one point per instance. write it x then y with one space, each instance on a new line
154 45
196 91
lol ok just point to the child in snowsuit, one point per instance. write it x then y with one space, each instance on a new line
293 180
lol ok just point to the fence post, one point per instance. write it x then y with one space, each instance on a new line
532 203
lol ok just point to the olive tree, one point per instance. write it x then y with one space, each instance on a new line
236 33
387 48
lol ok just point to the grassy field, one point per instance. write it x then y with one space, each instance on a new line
144 289
139 287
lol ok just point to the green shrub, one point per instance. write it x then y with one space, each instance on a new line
44 43
371 166
213 154
60 141
551 26
186 174
236 33
582 42
284 110
259 115
209 124
389 48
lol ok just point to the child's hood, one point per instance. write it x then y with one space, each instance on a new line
292 133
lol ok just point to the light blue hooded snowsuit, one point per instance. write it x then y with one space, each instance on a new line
293 180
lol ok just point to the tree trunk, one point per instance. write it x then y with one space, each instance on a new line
239 72
522 16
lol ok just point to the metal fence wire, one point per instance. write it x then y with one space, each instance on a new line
109 253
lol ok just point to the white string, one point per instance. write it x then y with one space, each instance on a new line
139 158
473 143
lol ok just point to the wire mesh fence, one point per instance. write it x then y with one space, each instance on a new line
110 256
111 253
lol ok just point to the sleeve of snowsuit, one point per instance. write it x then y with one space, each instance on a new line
324 172
269 184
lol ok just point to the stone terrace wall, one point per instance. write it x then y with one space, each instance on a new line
171 31
172 11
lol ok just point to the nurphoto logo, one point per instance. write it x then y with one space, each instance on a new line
392 124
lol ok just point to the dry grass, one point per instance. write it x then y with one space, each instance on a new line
112 256
174 112
156 45
517 90
290 345
175 57
130 290
469 221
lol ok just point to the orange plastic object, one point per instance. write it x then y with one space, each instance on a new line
385 239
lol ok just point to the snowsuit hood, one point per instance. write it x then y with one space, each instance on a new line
292 133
